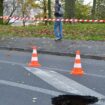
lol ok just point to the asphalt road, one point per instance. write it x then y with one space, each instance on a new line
21 85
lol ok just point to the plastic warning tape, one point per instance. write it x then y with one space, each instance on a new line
52 19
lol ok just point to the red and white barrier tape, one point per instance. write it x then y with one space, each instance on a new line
53 19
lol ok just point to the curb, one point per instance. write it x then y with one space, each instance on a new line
53 53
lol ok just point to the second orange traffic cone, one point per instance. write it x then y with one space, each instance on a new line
34 60
77 70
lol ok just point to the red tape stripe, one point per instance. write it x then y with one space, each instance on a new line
53 19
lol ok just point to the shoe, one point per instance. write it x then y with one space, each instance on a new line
58 39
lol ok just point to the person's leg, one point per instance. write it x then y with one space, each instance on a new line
60 30
56 24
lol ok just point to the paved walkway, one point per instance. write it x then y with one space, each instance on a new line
89 49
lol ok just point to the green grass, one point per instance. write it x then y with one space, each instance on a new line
81 31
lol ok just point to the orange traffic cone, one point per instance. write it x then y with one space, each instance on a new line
77 70
34 60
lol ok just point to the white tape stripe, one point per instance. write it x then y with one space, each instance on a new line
34 59
101 20
95 20
90 20
38 89
85 20
52 19
80 20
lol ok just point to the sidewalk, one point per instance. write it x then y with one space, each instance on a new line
89 49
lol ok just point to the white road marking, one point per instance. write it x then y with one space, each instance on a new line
32 88
95 75
63 83
54 93
34 99
61 70
50 68
12 63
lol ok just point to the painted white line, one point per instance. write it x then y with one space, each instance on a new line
40 89
32 88
66 71
95 75
34 99
12 63
63 83
51 68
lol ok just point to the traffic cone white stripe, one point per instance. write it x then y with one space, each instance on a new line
77 70
77 65
34 51
34 59
77 56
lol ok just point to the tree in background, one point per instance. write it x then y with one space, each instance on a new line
82 11
9 10
25 7
93 9
70 8
73 9
80 1
45 7
100 9
1 11
49 9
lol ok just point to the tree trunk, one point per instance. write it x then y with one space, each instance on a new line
23 14
49 8
45 11
93 9
70 8
1 11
